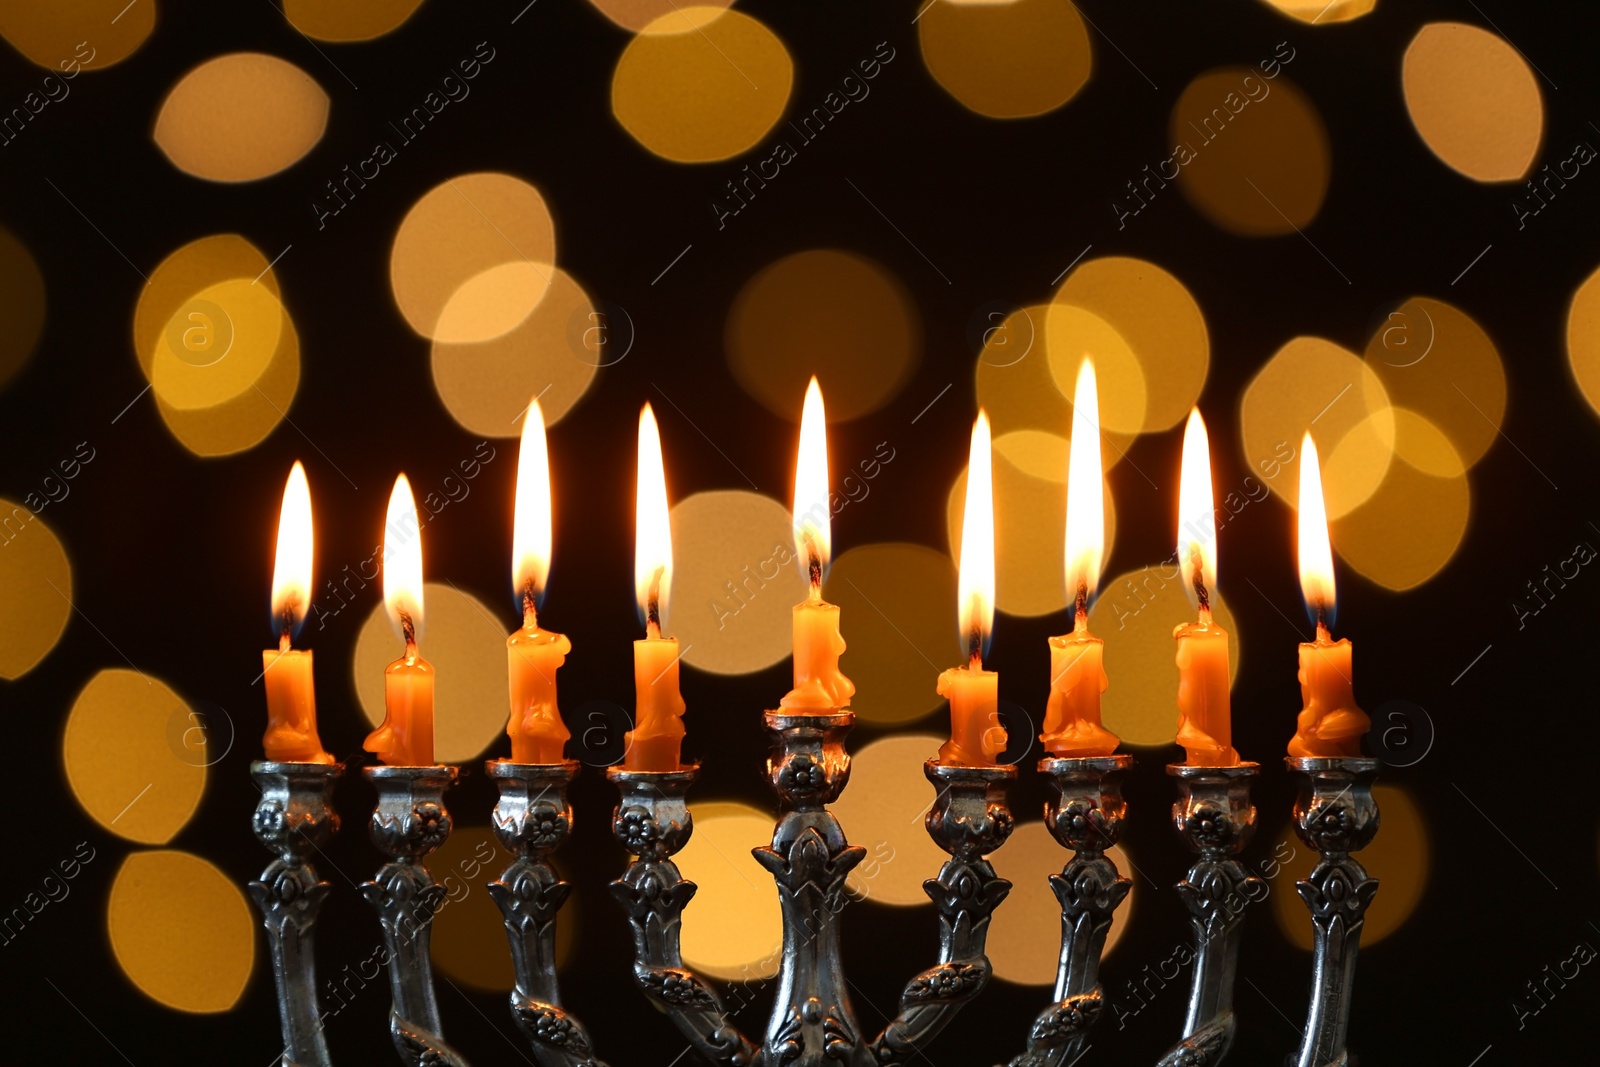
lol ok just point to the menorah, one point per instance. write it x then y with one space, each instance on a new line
812 1023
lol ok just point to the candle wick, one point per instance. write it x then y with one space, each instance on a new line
1081 614
283 639
408 630
814 569
652 606
1197 569
975 649
530 611
1323 636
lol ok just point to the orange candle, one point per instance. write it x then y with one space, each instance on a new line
1077 678
655 742
1205 729
291 699
818 683
532 655
406 737
976 736
1331 724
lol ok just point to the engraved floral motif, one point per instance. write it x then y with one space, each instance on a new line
271 823
637 829
802 776
427 826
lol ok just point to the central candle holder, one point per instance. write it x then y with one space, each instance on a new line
813 1023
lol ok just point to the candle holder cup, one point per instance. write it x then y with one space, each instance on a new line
1335 814
293 819
410 821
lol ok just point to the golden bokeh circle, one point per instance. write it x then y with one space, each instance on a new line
1006 59
120 758
22 312
73 36
466 644
1583 339
473 258
1025 932
1030 521
1411 527
837 315
348 20
486 385
1313 384
1153 313
241 117
1435 360
181 931
167 304
1073 333
882 812
701 83
1399 857
35 586
896 611
735 581
733 929
1135 616
1473 100
221 347
636 15
246 420
1322 12
1257 160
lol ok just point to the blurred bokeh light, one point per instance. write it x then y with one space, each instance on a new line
882 812
1583 339
1025 932
240 117
22 311
732 929
348 20
85 35
1323 12
1006 59
1474 101
35 585
637 14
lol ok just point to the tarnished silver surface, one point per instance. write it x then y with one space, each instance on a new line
409 822
969 818
1335 814
531 819
294 819
1084 814
652 822
1214 815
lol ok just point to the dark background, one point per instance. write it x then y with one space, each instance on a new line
171 554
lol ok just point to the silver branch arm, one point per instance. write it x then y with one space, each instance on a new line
1215 816
968 819
409 822
652 822
294 818
1336 815
1084 814
531 819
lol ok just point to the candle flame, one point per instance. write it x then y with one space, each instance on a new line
813 535
1197 517
402 564
652 545
1086 518
1316 555
530 532
291 568
975 585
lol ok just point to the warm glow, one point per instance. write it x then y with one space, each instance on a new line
1086 517
652 543
813 534
291 570
975 585
402 563
1316 557
530 531
1197 517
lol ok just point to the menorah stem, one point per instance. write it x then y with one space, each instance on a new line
531 819
1335 814
409 822
294 818
1216 818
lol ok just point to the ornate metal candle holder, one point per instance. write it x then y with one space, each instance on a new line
294 818
1336 815
1215 816
1085 815
531 819
409 822
812 1023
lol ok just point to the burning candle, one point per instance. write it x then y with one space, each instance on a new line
406 737
532 655
1331 724
818 684
657 734
291 699
1077 678
976 736
1204 727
